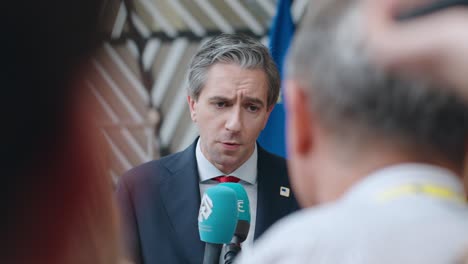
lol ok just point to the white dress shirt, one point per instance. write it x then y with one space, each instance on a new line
247 173
408 213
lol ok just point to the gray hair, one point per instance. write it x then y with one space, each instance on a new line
242 50
356 101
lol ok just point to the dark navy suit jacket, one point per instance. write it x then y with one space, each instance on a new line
159 204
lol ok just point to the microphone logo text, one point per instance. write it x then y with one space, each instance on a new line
240 206
205 208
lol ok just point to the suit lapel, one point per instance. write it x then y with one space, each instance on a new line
181 197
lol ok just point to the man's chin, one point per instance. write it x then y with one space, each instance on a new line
227 163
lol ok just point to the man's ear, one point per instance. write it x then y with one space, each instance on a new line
299 120
192 106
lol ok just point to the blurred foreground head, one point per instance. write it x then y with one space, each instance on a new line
58 205
343 110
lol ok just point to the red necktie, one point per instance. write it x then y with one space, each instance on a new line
226 179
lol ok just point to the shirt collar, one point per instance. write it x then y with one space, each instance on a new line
247 172
408 173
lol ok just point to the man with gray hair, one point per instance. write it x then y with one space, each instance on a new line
233 87
379 154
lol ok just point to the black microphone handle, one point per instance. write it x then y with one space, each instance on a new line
212 253
232 249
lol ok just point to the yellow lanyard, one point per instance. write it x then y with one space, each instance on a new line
428 189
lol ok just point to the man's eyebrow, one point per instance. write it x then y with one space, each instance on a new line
254 100
219 98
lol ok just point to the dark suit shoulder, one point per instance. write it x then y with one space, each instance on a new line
141 172
155 197
272 163
275 159
270 155
156 171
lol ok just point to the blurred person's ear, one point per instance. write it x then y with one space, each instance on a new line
301 143
300 123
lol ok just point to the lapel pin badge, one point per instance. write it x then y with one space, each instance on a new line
284 191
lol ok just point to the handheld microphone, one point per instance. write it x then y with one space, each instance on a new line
243 222
431 8
217 220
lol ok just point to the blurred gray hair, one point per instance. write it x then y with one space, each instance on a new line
355 100
242 50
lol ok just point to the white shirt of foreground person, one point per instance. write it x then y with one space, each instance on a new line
408 213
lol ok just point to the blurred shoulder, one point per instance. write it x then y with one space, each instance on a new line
293 237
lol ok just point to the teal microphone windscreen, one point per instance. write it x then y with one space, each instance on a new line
217 218
243 204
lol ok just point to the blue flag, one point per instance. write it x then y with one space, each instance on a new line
273 137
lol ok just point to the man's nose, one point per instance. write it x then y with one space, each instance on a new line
234 120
